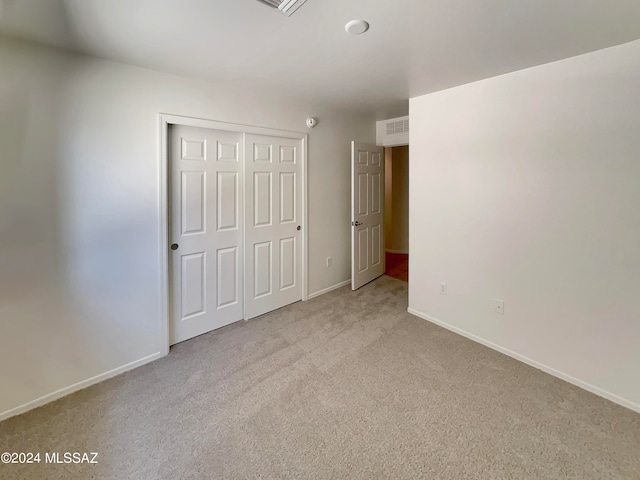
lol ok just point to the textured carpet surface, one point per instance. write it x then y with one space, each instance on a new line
347 385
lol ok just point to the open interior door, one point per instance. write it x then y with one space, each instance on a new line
367 213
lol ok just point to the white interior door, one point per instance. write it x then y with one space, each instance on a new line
367 213
205 230
273 215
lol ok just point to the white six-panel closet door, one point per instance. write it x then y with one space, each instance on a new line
273 237
205 230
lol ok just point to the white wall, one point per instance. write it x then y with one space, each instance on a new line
528 187
79 212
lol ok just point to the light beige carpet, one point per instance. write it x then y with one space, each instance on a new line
347 385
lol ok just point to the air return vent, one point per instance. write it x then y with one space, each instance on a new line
397 126
392 132
285 6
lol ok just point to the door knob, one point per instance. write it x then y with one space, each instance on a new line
174 246
299 227
356 223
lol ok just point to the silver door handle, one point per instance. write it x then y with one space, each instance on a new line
356 223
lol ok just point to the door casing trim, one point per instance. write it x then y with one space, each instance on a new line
166 119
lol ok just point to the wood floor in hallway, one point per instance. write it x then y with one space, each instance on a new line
397 266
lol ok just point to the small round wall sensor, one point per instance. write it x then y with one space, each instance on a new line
356 27
311 122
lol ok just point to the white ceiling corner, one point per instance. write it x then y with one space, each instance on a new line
413 46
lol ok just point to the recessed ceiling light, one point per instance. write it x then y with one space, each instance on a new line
356 27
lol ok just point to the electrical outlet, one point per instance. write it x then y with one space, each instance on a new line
498 306
329 261
443 288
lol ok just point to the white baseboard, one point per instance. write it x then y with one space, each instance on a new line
396 251
551 371
38 402
328 289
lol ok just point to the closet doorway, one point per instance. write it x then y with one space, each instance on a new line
234 212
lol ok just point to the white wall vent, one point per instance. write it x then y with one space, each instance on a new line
285 6
392 132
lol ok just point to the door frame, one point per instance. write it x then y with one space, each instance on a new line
166 119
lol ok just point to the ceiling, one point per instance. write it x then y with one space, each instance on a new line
413 47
